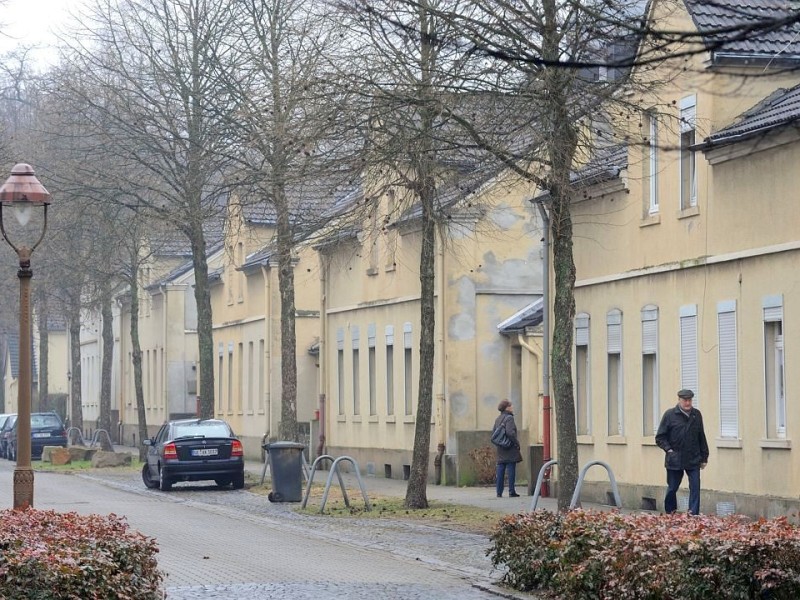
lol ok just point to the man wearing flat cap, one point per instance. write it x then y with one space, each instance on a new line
682 437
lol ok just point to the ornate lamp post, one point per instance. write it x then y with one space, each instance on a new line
23 192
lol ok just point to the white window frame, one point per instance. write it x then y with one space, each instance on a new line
650 348
340 367
355 337
688 338
614 348
372 378
774 378
408 373
688 123
652 161
583 385
389 334
727 352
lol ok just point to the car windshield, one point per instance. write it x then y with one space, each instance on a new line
202 429
42 421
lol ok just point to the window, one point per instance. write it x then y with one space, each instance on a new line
688 325
408 380
614 341
650 396
251 370
220 373
240 376
260 375
582 412
650 162
356 372
774 367
230 377
389 369
241 277
340 366
373 401
688 173
728 371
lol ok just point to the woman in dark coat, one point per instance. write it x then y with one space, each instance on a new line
507 458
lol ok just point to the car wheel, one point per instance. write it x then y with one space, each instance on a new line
238 481
147 478
222 481
164 484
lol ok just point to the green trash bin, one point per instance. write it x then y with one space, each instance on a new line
286 464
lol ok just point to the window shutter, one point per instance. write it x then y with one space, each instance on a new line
614 325
773 308
371 335
356 337
340 338
728 371
407 340
389 332
649 330
688 321
582 330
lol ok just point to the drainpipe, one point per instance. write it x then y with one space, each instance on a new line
323 382
163 359
545 491
267 358
441 408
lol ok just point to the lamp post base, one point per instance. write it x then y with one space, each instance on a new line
23 488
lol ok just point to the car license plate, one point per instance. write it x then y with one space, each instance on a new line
205 452
41 435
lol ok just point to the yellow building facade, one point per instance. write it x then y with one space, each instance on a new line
686 279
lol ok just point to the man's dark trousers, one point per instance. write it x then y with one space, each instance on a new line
674 478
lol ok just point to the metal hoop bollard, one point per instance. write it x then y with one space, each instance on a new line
335 469
577 494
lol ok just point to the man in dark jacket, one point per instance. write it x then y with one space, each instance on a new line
682 437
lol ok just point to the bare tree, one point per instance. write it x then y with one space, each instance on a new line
146 78
288 134
411 67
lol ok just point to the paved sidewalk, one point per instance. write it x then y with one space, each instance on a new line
482 497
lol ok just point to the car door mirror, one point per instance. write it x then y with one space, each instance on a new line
147 442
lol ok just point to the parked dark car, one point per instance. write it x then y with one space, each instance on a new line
6 423
47 429
194 450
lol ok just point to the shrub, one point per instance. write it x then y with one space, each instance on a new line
485 460
60 556
586 555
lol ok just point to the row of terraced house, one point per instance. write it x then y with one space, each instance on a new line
685 247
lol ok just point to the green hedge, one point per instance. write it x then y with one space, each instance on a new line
586 555
60 556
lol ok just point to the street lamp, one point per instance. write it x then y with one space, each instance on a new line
23 192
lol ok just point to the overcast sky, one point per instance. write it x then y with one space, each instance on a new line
32 21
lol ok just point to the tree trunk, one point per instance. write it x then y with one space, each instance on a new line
136 352
205 336
76 406
288 429
104 420
416 493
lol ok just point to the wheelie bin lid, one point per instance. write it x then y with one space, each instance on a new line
283 445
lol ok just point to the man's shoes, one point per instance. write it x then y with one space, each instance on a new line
513 495
499 495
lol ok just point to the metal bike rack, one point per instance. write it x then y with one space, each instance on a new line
79 436
577 493
614 490
96 438
335 469
538 489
